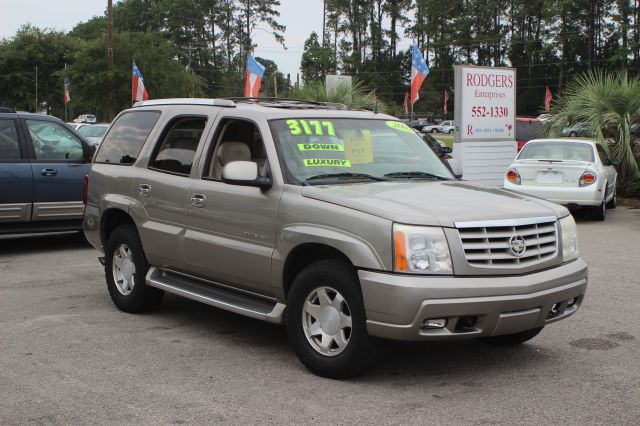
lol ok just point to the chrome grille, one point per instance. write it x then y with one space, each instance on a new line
489 244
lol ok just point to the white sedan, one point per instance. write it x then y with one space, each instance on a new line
572 172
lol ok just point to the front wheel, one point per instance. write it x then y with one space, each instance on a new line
434 130
512 339
451 131
326 321
126 269
573 134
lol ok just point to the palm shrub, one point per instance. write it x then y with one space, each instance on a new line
353 96
610 103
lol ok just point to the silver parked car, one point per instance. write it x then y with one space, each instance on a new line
342 224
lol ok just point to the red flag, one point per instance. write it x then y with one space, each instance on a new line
406 103
67 95
446 100
419 71
547 99
138 91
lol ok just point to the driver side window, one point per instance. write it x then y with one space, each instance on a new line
53 142
236 140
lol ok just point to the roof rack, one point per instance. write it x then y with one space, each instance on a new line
275 102
187 101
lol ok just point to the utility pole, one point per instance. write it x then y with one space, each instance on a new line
110 54
275 86
36 107
324 17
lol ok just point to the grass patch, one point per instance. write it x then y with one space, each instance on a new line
447 139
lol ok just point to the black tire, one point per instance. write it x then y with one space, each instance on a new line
512 339
434 130
141 297
572 134
599 213
612 204
451 131
359 355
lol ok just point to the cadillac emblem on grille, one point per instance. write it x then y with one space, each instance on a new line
517 245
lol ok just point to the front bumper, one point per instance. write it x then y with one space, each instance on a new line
397 305
582 196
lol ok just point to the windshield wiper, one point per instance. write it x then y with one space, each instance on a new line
415 175
330 176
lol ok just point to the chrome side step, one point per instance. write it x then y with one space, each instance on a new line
216 295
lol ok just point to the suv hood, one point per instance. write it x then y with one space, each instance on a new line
433 203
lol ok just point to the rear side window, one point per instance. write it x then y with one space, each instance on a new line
178 146
124 141
9 142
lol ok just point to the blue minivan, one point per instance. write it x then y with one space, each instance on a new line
43 163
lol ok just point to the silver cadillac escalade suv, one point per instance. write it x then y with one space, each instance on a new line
342 224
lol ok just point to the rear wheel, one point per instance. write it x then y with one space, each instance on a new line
512 339
434 130
125 269
614 200
573 134
326 321
599 213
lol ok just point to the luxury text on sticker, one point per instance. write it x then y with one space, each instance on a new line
331 162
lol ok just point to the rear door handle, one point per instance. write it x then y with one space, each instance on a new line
48 172
198 200
144 190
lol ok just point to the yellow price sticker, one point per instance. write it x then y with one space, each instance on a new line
358 148
326 162
311 127
398 125
320 147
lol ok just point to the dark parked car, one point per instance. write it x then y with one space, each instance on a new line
43 163
443 152
528 129
418 124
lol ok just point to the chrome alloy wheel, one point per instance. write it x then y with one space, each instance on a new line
326 320
123 269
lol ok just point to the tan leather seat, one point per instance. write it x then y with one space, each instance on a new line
228 152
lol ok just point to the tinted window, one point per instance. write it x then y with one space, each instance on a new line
53 142
126 138
177 148
528 130
562 151
9 142
603 156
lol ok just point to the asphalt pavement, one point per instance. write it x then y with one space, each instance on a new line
68 356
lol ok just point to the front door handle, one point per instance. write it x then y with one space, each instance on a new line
144 190
198 200
48 172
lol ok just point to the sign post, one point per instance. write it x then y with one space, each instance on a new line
484 113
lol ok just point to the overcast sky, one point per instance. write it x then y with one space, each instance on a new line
299 16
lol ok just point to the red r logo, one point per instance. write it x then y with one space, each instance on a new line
469 129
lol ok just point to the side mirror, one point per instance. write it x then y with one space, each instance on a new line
447 150
615 162
244 173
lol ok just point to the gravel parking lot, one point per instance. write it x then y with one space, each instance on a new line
68 356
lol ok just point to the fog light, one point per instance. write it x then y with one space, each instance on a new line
572 302
430 324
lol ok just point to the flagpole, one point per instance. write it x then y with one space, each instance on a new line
66 118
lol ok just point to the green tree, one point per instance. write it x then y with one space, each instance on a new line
317 61
92 84
353 96
19 56
609 102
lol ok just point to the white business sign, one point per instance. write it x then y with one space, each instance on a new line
488 103
485 117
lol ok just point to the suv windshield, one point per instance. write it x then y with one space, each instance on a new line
319 149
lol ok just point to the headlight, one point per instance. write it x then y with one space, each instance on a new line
421 250
569 238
